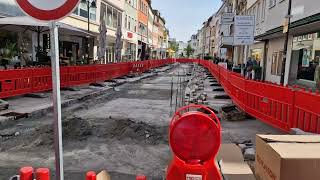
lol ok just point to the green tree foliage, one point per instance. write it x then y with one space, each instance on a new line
189 51
174 46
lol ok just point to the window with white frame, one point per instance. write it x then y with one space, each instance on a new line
126 21
272 3
113 17
82 10
258 13
263 10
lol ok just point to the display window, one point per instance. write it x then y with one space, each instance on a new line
306 54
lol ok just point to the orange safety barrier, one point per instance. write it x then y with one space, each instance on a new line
279 106
23 81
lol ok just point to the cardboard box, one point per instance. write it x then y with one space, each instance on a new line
232 164
287 157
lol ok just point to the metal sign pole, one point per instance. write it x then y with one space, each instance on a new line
57 124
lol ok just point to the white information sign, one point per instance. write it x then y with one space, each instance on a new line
243 30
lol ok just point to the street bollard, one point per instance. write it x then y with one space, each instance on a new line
43 174
195 139
91 175
141 177
26 173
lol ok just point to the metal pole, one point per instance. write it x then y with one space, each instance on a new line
171 92
88 7
177 92
88 39
180 80
57 124
285 49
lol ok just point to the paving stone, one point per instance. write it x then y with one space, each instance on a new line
232 113
3 105
37 95
297 131
249 154
243 147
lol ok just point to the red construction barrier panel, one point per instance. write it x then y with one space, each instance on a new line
30 80
195 139
281 107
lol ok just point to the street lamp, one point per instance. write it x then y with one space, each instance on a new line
90 4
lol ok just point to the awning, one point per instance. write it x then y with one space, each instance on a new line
29 23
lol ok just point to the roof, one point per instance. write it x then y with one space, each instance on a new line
28 21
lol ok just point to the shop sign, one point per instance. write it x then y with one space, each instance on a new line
243 30
227 18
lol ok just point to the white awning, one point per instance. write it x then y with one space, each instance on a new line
27 21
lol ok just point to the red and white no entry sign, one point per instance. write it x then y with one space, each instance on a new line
47 10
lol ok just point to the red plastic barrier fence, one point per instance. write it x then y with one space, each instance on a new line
31 80
281 107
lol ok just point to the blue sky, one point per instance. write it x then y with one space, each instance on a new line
185 17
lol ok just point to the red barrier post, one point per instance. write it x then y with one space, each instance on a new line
141 177
26 173
91 175
43 174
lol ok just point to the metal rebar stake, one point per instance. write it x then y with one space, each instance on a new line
171 92
177 92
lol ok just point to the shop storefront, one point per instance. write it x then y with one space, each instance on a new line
110 53
130 51
305 59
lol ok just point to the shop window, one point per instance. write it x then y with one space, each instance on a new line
306 53
272 3
82 10
279 65
115 18
276 67
274 63
129 24
109 16
256 54
126 23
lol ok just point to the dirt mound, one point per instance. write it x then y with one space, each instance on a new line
75 128
78 129
138 132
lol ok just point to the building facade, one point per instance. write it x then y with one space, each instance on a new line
143 11
303 49
130 35
144 34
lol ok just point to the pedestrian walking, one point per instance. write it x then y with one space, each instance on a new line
249 68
